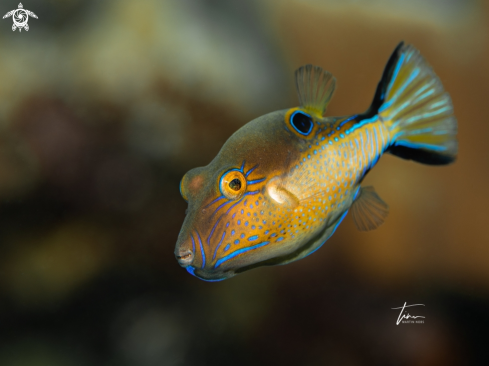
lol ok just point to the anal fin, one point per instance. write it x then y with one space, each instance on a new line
368 209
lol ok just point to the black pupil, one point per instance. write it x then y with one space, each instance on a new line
235 184
302 123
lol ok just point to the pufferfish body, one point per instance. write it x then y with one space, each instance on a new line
282 184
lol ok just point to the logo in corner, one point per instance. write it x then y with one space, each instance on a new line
20 17
405 317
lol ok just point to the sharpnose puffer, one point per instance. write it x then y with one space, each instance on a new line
282 184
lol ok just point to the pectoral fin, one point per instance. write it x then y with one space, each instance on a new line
281 194
368 209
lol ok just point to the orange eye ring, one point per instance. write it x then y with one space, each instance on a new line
233 184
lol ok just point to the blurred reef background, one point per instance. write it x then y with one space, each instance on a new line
104 105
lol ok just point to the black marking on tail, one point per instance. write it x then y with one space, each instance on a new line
383 83
421 155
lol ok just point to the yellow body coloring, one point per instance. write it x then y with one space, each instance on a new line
282 184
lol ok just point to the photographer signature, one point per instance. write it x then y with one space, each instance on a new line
407 315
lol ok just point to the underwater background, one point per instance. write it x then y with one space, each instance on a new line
105 105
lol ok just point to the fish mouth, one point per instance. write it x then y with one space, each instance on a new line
185 257
209 277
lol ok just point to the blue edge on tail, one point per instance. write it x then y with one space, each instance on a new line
411 153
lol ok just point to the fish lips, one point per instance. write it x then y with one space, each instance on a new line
186 258
207 276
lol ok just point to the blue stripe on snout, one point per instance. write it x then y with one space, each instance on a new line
217 199
238 252
201 249
193 243
220 242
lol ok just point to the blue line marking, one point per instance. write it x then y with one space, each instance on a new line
230 208
361 123
367 139
242 166
218 245
385 106
438 104
212 231
249 171
421 131
422 90
382 136
363 154
348 120
394 98
396 71
251 193
191 270
255 181
372 158
238 252
377 152
201 249
193 243
217 209
252 238
339 222
427 94
295 128
217 199
420 146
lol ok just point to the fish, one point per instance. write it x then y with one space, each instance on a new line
282 184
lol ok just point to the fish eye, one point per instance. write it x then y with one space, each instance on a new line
301 122
233 184
182 192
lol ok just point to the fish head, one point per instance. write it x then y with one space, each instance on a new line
237 209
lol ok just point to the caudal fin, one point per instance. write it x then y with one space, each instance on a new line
418 112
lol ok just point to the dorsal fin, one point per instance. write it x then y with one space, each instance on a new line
315 88
368 209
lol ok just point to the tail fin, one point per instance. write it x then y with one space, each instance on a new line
418 112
